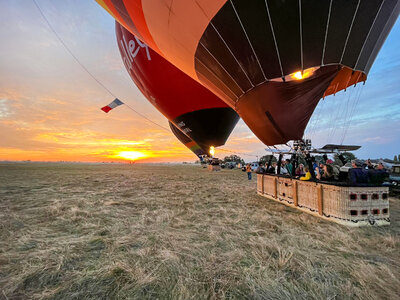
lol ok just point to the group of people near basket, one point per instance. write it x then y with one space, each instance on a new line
322 171
360 173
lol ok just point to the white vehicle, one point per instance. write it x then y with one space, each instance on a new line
254 166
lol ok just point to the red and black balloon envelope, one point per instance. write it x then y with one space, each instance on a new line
188 142
205 119
270 60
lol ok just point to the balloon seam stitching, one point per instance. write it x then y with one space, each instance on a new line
218 79
350 29
301 38
226 45
273 35
248 40
222 67
326 33
365 41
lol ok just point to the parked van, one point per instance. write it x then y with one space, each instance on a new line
254 166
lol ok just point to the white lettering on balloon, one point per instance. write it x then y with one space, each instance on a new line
125 57
131 49
182 126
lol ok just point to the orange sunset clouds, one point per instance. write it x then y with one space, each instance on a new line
50 106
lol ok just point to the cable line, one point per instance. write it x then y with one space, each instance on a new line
353 109
87 71
241 153
101 84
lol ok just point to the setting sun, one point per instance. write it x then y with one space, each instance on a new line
130 155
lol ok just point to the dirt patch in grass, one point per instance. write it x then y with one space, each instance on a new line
75 231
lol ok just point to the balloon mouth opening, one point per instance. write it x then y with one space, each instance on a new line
298 75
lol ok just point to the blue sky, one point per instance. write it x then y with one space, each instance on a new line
49 107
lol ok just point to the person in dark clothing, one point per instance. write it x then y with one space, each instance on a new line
380 166
377 176
314 164
328 173
272 168
369 165
358 176
260 170
320 170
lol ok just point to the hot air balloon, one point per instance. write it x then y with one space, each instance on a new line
270 60
200 115
188 142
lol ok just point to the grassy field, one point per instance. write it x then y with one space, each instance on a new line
81 231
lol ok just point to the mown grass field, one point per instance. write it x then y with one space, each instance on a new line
82 231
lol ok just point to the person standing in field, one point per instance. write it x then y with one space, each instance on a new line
248 171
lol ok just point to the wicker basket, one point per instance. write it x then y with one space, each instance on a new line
270 186
285 189
260 184
356 206
307 195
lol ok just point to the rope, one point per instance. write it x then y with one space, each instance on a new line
341 121
360 90
102 85
348 110
241 153
146 118
87 71
319 116
334 117
314 120
347 116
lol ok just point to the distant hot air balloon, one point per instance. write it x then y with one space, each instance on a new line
204 118
270 60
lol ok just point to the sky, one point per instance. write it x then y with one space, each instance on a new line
49 106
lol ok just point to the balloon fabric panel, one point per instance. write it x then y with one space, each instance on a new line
238 48
192 108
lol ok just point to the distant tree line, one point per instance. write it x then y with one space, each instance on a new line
348 156
264 159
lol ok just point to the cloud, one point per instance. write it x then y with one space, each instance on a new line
49 106
4 109
377 140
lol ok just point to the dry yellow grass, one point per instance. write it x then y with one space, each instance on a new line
75 231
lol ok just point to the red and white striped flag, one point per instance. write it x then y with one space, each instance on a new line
112 105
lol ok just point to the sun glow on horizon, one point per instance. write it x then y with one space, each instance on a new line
130 155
